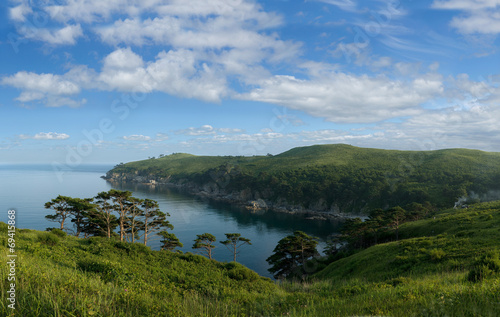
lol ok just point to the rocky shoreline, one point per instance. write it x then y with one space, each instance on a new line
246 198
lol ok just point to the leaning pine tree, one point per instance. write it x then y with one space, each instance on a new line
169 241
205 241
63 206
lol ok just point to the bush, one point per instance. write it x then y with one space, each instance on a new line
241 274
190 257
48 239
487 266
401 280
58 232
107 270
437 255
478 273
131 248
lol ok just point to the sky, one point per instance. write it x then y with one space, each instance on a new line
92 81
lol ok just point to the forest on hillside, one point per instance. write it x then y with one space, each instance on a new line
337 178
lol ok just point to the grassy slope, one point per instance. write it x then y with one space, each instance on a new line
99 277
424 274
319 155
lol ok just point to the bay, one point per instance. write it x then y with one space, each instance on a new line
26 188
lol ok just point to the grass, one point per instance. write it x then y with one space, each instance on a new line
423 274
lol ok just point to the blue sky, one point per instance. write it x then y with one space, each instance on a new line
113 81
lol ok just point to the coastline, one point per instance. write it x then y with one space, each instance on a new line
246 198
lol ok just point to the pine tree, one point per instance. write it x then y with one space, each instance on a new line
205 241
234 242
169 241
291 254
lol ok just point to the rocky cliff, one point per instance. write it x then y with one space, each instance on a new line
219 188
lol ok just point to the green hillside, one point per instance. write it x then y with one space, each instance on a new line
339 177
426 273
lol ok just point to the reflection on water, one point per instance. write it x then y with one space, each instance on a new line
191 216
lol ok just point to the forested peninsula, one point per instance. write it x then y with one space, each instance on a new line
327 180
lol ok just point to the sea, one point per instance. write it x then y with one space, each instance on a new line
26 188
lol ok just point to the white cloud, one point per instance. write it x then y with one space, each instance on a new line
20 12
123 70
473 127
481 16
53 90
346 5
173 72
137 137
203 130
230 131
123 59
45 136
177 73
486 22
203 44
46 83
208 130
348 98
93 10
161 137
470 5
66 35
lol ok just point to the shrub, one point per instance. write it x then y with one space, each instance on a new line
58 232
48 239
132 248
107 270
401 280
437 254
3 227
486 266
478 273
190 257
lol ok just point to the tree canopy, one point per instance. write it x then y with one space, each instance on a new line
291 254
206 243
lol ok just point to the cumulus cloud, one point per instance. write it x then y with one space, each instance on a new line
54 90
481 16
348 98
67 35
207 41
45 136
173 72
45 83
20 12
475 127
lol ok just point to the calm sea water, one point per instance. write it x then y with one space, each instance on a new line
27 188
